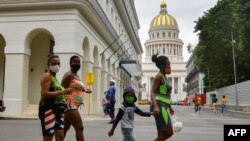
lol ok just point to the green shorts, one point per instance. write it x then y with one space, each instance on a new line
162 120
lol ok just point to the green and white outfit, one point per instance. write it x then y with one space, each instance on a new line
51 110
163 99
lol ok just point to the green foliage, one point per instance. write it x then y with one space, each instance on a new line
214 49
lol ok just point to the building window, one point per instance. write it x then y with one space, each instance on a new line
157 35
163 34
169 34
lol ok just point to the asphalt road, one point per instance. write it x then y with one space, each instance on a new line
206 126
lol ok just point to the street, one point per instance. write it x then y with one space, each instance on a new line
206 126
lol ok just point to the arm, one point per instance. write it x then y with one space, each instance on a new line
109 94
170 109
67 78
45 85
141 113
117 119
155 86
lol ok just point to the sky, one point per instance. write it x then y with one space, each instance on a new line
185 13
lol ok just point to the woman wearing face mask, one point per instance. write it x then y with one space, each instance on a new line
161 99
74 100
52 93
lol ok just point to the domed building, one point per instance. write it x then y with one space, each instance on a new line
164 40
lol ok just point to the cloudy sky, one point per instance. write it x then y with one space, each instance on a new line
184 11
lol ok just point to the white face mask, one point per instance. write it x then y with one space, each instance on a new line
55 68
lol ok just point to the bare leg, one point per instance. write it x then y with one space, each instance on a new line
59 135
47 138
67 123
164 135
76 121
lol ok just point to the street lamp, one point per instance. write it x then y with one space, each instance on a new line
235 76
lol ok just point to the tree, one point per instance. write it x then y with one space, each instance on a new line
214 49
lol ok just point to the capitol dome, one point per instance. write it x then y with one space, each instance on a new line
163 21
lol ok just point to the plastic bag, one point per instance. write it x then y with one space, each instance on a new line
177 126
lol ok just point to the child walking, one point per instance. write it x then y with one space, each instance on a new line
126 115
105 104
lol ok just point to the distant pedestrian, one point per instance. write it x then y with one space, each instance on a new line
214 102
195 101
223 104
126 115
199 104
110 96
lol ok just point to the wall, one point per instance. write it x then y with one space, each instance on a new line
229 91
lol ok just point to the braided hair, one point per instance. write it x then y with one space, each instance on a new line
159 61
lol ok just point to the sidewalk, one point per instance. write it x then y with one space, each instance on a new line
91 117
32 115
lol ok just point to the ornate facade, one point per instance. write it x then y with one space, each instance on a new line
164 40
104 33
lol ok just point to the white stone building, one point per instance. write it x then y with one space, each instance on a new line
164 39
104 33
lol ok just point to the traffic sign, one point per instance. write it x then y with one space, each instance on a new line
90 78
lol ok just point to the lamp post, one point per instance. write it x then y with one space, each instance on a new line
235 76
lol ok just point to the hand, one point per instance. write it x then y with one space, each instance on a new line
171 111
156 110
87 90
111 132
67 91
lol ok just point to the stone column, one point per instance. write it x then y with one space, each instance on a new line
96 92
173 86
16 83
87 98
104 85
119 89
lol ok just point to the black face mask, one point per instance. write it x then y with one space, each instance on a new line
75 67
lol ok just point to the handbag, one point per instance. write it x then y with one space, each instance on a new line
177 125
